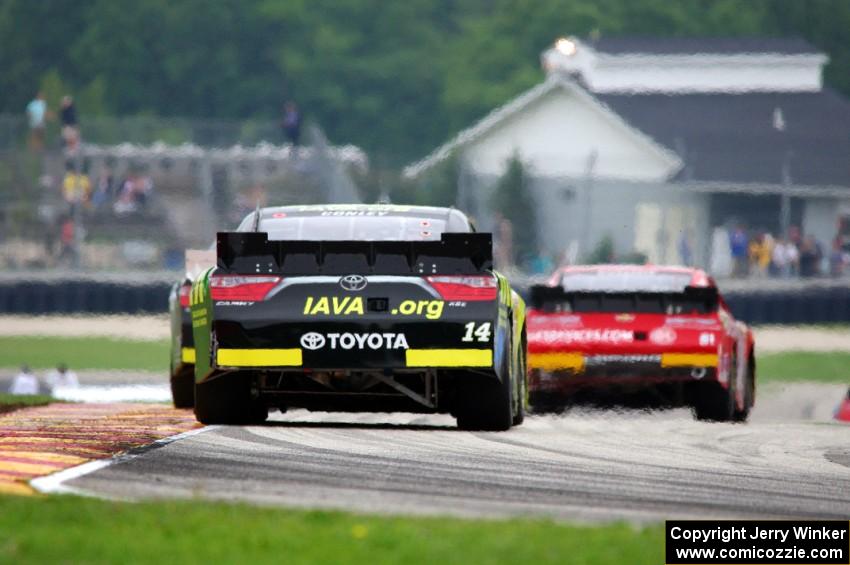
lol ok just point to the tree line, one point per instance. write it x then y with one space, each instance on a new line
396 78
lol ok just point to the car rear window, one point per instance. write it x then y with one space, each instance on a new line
360 228
625 281
640 303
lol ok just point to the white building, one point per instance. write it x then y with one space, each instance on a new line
646 139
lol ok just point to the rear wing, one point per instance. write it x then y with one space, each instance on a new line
454 253
693 299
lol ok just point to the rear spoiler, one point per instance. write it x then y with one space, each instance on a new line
539 296
542 297
454 253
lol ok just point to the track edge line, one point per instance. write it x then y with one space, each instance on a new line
54 482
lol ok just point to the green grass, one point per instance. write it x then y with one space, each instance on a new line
9 402
83 353
60 529
824 326
828 367
104 353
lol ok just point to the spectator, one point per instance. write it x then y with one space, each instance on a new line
838 258
125 203
753 250
784 258
37 117
61 377
68 240
104 190
542 263
24 382
810 257
134 194
739 248
761 253
291 122
795 236
70 129
777 258
144 190
76 187
793 254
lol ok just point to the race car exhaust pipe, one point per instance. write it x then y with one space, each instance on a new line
698 372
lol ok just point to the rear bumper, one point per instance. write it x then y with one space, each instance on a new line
577 362
409 358
366 343
565 371
630 377
187 355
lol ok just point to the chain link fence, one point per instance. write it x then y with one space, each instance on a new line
138 191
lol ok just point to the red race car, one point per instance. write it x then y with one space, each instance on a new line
842 413
638 335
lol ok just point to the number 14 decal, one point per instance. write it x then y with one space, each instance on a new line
482 332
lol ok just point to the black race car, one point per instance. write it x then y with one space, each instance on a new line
182 358
358 308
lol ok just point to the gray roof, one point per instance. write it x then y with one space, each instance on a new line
733 138
519 104
704 45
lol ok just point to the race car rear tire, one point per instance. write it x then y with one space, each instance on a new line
183 387
521 383
485 403
226 399
713 403
749 393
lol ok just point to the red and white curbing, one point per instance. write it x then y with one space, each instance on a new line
47 441
55 483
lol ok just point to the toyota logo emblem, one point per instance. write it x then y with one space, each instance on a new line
353 282
312 340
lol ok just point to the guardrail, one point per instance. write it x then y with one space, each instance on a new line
82 297
812 302
812 305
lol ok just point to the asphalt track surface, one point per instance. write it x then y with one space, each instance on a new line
585 465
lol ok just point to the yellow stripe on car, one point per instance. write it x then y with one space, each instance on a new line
449 357
187 354
689 360
259 357
556 361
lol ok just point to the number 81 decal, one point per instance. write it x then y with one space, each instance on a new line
481 333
